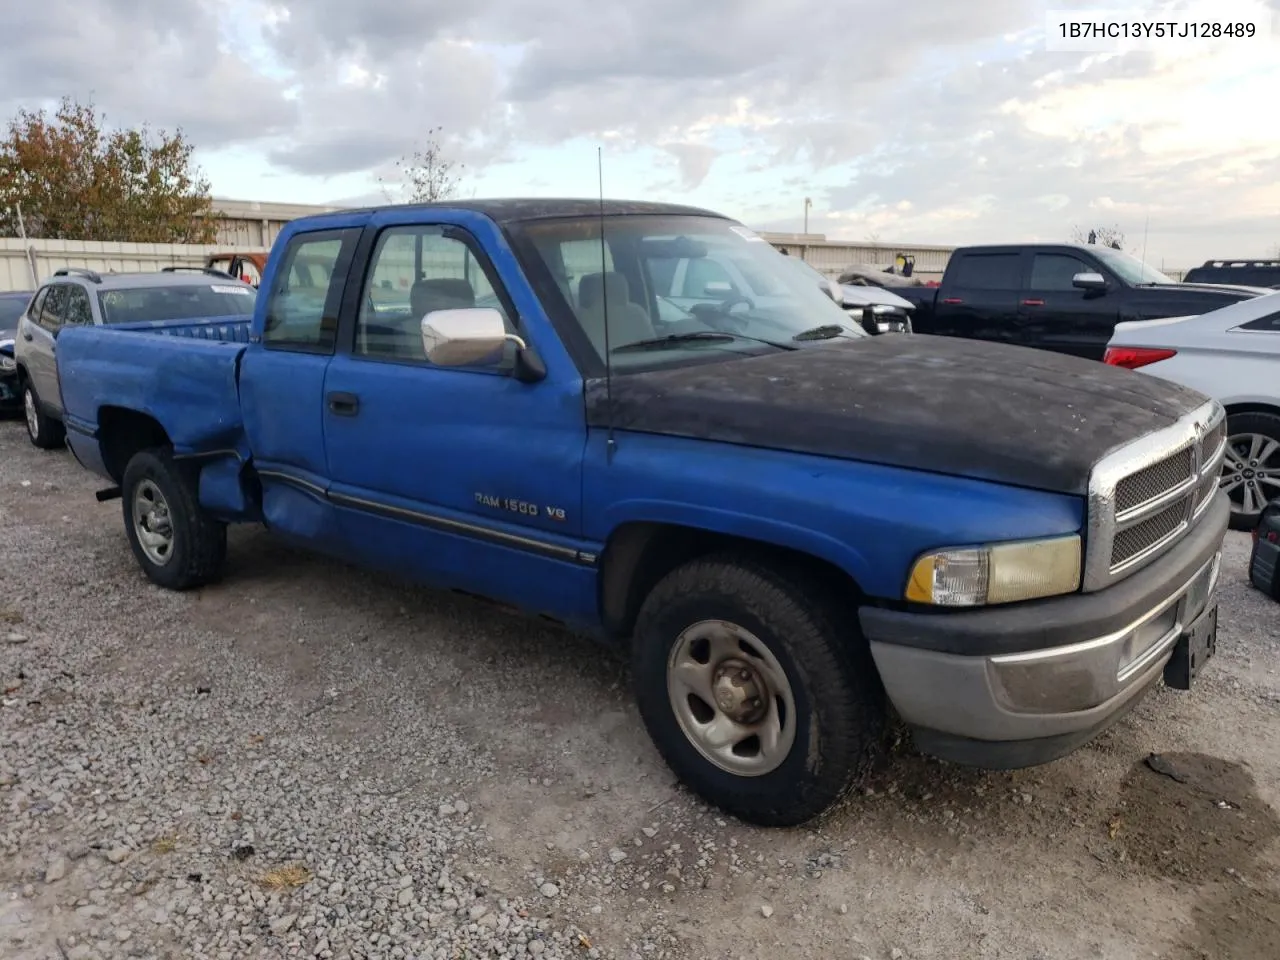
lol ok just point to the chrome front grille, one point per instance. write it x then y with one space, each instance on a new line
1145 486
1146 495
1133 542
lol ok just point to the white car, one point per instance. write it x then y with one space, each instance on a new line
1232 355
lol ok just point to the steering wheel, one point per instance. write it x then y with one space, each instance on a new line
718 314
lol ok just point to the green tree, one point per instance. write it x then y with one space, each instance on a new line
75 179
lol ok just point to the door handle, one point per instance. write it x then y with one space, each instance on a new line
1033 303
344 404
27 335
952 300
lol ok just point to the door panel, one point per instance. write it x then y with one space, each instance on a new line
454 475
979 298
282 386
42 349
1055 315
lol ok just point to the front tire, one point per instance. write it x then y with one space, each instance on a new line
757 689
1251 470
45 432
175 540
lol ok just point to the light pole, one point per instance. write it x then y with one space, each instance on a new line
807 204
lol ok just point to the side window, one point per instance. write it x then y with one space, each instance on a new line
1267 324
54 307
1053 271
302 309
700 274
79 311
988 271
37 305
413 272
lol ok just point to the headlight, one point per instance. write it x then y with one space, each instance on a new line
7 362
996 573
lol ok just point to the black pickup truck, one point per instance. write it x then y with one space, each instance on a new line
1256 273
1062 297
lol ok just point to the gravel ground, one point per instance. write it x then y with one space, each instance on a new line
308 760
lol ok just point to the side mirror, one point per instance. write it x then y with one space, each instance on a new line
718 288
1089 281
471 337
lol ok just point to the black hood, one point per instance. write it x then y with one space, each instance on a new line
960 407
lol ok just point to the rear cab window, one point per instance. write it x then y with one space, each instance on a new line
306 292
987 271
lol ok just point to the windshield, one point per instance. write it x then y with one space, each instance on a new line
188 301
662 278
1130 269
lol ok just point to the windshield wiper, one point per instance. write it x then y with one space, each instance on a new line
675 339
828 331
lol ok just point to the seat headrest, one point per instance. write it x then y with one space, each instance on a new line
444 293
593 287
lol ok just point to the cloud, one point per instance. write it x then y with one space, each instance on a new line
140 61
1027 148
694 159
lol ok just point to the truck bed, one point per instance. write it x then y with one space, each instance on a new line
182 374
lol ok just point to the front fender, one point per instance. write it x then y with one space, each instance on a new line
743 525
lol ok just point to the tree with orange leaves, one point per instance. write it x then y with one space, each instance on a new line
75 179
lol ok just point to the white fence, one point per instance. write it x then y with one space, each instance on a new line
18 260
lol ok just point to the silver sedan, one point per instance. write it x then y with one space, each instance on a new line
1232 355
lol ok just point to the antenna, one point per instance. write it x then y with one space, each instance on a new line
1145 228
610 445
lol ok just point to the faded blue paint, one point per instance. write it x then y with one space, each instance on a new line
481 483
869 520
186 383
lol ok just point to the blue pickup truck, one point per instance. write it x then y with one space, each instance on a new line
798 532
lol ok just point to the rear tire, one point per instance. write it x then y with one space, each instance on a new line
45 432
1251 470
784 652
175 540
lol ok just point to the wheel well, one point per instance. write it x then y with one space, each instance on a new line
638 555
122 433
1253 408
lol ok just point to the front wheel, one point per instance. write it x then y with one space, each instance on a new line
44 431
758 690
175 540
1251 470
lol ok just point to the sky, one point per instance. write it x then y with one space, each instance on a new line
932 121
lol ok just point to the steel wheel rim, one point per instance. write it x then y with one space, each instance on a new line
29 408
1251 472
152 523
731 698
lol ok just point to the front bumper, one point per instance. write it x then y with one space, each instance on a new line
1016 686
